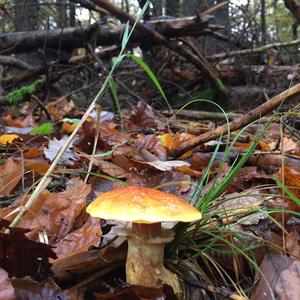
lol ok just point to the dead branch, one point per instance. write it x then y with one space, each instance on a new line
198 62
244 52
103 35
201 115
254 114
13 62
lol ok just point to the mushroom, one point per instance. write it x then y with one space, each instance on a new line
146 208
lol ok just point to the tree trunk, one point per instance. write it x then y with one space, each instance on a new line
61 9
26 15
263 21
72 19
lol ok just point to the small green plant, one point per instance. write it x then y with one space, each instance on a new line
43 129
24 92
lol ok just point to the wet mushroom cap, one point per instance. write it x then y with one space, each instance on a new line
142 205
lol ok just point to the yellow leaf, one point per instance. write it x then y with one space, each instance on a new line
67 127
168 141
7 139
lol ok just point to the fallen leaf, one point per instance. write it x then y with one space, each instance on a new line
53 148
80 239
142 117
54 213
19 122
7 290
7 139
168 141
10 175
20 256
170 181
292 242
282 275
29 289
38 166
111 168
166 165
67 127
59 108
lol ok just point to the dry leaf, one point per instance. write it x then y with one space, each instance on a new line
10 175
282 273
55 213
7 139
7 291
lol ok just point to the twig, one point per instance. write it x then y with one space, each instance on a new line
42 106
254 114
244 52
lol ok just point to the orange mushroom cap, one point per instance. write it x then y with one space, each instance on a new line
142 205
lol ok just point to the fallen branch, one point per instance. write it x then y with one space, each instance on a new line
251 51
13 62
103 35
254 114
199 62
201 115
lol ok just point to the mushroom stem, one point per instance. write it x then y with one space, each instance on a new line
145 258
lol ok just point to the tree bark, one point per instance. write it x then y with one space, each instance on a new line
71 38
26 15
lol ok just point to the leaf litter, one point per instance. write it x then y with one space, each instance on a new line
81 249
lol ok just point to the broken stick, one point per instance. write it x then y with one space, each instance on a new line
254 114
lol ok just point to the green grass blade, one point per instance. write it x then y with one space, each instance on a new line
146 68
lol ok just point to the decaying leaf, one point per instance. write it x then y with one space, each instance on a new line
7 139
7 290
54 213
283 280
166 165
20 256
54 146
80 239
10 175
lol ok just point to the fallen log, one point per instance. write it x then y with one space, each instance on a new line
103 35
252 115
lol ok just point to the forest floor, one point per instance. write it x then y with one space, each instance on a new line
243 175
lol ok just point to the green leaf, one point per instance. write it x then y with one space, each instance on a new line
143 65
43 129
125 35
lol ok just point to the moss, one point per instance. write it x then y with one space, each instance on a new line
43 129
24 92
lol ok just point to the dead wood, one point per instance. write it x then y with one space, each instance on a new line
201 115
13 62
252 51
254 114
103 35
11 81
198 61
